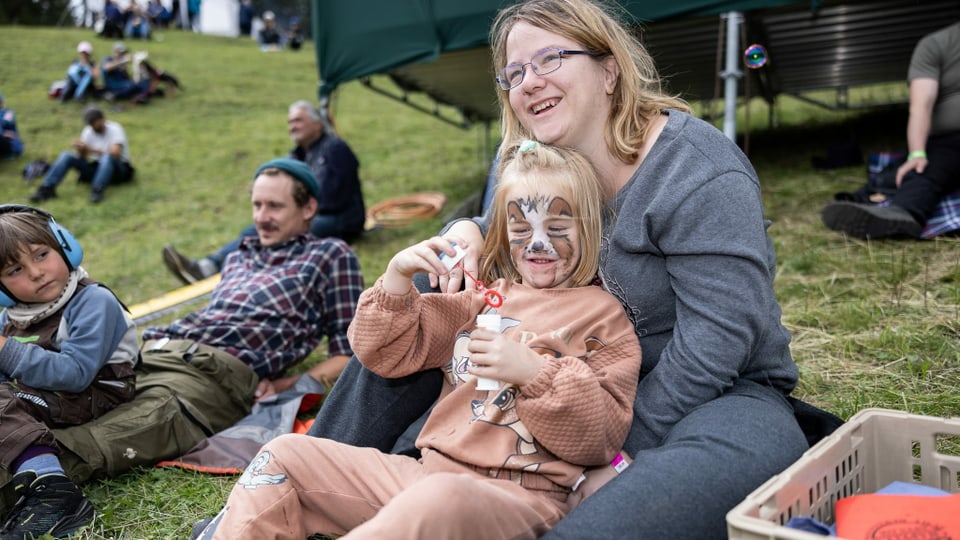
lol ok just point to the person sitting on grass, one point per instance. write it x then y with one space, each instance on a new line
102 155
67 355
11 145
497 461
341 212
280 293
82 76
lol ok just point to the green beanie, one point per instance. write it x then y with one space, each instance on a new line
297 169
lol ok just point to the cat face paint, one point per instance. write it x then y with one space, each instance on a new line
544 238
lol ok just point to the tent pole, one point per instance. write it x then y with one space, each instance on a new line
731 74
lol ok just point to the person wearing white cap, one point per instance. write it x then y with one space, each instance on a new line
269 34
82 74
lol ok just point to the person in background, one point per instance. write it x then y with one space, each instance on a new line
498 461
11 145
112 21
686 252
138 25
341 211
270 38
246 17
101 155
158 14
147 79
67 354
932 168
118 83
281 292
294 38
193 14
82 75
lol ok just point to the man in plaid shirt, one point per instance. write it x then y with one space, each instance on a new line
279 294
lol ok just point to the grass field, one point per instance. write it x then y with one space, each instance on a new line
875 324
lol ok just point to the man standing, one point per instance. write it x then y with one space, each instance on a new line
101 155
280 293
932 169
340 213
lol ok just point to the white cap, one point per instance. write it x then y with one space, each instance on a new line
268 15
85 47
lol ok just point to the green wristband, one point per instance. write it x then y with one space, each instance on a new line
916 154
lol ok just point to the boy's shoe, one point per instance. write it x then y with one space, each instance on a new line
43 193
870 221
50 504
96 196
187 269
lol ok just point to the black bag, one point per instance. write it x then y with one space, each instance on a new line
35 169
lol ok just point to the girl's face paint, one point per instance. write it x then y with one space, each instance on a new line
544 238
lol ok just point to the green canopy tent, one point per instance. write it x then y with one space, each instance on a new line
439 47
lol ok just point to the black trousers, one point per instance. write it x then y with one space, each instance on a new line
920 193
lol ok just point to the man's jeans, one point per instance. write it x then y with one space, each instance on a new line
101 172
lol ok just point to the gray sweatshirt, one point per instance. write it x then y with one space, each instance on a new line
689 255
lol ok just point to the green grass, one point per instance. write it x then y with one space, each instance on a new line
875 324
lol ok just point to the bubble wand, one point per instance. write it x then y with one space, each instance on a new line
488 321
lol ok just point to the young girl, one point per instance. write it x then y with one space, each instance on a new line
67 353
496 463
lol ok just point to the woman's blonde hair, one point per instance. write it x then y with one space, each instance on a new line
638 96
552 169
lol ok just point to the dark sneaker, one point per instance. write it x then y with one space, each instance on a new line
870 221
187 269
96 196
49 504
43 193
199 528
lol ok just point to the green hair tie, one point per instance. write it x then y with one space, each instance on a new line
527 146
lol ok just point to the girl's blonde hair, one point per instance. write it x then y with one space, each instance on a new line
18 230
550 169
638 96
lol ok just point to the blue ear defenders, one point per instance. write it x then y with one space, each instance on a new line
69 248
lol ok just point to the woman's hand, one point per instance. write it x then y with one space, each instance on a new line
465 234
496 357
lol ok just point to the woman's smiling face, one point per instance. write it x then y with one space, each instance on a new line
567 107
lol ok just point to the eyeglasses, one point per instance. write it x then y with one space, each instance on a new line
544 62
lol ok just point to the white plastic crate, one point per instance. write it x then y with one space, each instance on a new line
872 449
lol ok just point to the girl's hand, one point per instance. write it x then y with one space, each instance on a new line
421 257
467 235
494 356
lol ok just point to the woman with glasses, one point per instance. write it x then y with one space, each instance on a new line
687 255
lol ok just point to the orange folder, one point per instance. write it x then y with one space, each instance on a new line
877 516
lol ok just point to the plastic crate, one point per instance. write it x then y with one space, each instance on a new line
872 449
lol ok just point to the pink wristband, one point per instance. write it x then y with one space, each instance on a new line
619 464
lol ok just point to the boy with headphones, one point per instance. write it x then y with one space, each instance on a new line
67 355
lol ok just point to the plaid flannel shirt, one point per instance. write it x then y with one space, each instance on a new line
274 305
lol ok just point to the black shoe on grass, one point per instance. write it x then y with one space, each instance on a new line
869 221
49 504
